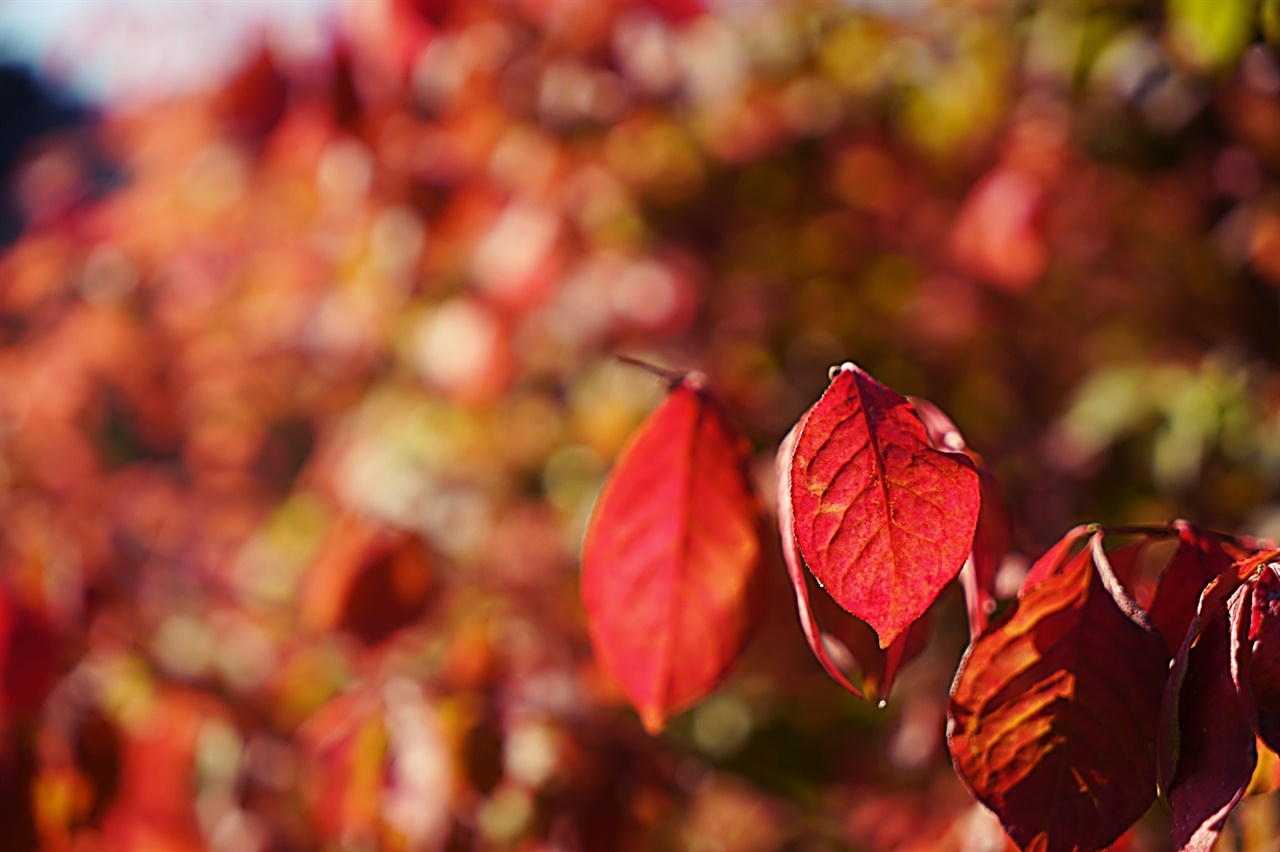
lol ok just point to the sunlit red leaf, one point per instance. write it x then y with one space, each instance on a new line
882 519
1207 742
1200 557
670 560
879 666
1054 710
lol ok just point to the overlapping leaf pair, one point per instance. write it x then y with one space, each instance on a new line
883 517
1067 715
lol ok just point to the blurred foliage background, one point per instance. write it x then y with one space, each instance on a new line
307 384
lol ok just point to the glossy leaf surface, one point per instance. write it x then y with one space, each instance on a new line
882 519
1054 711
671 555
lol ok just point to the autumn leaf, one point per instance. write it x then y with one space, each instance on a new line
882 519
878 666
994 533
671 555
1264 663
1054 710
1200 557
1207 741
368 580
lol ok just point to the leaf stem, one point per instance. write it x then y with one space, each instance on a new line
1151 530
671 376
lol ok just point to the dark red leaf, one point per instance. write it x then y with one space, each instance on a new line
670 559
1054 711
795 565
1264 664
368 580
1126 563
882 519
1200 557
994 533
991 543
1207 748
28 656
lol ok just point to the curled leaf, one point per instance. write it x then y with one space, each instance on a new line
1054 710
883 520
670 560
795 565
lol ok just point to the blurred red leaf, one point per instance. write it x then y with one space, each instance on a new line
882 519
1200 557
670 560
368 580
379 766
1054 710
1207 743
28 656
154 807
997 234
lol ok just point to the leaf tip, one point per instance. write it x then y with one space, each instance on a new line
837 369
653 720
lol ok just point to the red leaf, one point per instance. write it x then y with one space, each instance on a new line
1054 710
991 543
1264 663
1126 564
368 580
879 666
1200 557
1053 559
994 533
795 565
882 519
670 558
28 656
1207 747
